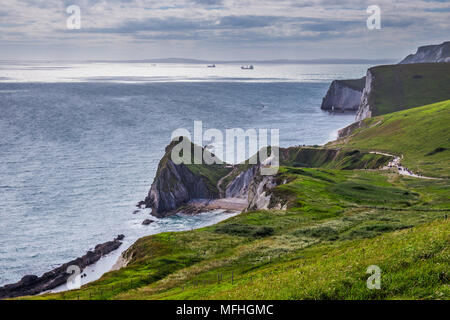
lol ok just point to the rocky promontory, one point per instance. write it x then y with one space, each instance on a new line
343 95
177 184
192 189
32 284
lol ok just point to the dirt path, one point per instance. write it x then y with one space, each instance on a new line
219 183
395 163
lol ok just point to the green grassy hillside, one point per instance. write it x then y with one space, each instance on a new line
331 158
356 84
404 86
336 224
311 250
421 135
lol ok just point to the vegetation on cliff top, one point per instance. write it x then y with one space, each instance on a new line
355 84
421 135
404 86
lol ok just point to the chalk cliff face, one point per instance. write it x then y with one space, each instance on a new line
238 188
365 109
431 53
260 196
355 94
343 95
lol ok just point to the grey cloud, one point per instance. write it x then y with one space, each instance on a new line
209 2
181 24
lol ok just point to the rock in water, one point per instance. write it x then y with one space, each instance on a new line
31 284
343 95
146 222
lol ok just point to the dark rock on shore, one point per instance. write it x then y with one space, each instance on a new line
141 204
32 284
120 237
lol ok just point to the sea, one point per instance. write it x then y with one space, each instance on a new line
80 143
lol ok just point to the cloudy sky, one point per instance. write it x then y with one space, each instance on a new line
219 29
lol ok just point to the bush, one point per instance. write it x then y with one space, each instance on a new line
244 230
324 233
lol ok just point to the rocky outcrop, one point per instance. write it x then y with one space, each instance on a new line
432 53
177 184
32 284
174 186
146 222
238 188
260 195
343 95
365 109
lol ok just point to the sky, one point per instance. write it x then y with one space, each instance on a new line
219 29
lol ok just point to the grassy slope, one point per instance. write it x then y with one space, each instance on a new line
356 84
403 86
331 158
337 223
416 133
329 215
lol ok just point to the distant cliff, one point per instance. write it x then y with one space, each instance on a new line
358 94
397 87
343 95
431 53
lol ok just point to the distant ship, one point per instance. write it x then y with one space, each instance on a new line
249 67
211 66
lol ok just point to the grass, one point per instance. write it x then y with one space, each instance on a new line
404 86
317 240
336 224
356 84
331 158
421 135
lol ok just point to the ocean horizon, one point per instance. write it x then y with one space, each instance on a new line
80 143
